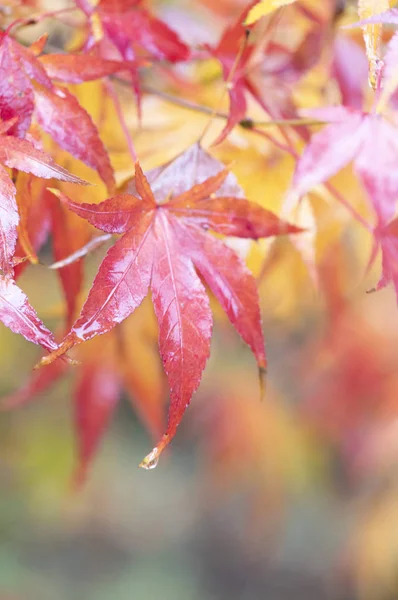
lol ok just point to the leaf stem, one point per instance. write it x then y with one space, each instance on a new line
33 20
112 93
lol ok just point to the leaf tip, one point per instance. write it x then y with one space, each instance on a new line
20 260
151 460
262 375
55 192
79 478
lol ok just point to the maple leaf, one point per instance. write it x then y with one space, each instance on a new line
16 94
58 111
18 315
367 139
164 226
19 154
125 31
26 89
15 310
264 73
132 30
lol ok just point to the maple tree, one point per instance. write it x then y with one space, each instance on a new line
169 226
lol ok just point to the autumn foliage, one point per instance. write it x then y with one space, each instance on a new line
279 128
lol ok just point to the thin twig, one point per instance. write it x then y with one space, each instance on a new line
206 110
122 120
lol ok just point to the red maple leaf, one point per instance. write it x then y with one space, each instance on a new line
123 30
26 89
19 154
132 30
18 315
15 310
164 223
264 73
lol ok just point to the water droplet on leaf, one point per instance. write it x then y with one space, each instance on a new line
151 460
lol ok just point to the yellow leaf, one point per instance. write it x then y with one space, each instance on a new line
372 34
265 7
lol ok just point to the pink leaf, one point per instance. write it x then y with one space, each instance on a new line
9 220
18 315
76 68
185 323
230 281
60 115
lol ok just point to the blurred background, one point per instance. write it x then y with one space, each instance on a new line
295 497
